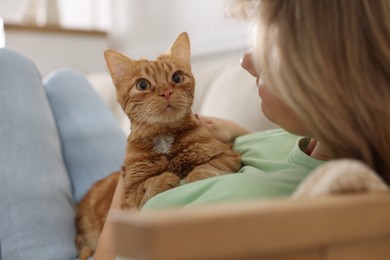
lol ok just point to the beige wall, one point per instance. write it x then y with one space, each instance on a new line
139 28
147 27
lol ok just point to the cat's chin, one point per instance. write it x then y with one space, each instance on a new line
170 116
169 109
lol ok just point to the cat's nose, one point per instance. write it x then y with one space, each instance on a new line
166 93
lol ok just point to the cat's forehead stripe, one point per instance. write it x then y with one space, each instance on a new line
156 70
167 66
149 70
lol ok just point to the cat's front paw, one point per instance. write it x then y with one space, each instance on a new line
200 174
158 184
338 177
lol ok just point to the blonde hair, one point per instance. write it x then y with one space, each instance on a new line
329 61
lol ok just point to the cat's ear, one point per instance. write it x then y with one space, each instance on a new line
117 63
180 49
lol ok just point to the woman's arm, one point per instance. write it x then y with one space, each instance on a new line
224 130
105 247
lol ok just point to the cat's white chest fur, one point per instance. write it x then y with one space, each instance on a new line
163 144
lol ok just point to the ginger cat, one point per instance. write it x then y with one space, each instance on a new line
166 144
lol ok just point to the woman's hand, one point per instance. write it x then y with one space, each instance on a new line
223 130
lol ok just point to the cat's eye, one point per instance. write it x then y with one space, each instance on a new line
178 77
142 85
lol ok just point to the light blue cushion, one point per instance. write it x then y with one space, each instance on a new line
36 204
93 143
53 146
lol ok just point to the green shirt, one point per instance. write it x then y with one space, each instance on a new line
273 165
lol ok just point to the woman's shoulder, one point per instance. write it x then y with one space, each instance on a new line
269 139
266 134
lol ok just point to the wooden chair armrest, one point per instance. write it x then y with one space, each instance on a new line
268 229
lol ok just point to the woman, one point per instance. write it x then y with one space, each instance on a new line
323 72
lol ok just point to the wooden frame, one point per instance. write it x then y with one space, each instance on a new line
339 227
53 29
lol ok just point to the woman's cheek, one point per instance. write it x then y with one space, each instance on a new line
279 113
266 96
267 102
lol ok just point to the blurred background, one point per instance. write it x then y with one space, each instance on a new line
74 33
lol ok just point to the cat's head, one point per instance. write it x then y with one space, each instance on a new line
154 92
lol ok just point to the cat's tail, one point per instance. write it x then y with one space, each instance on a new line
85 251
